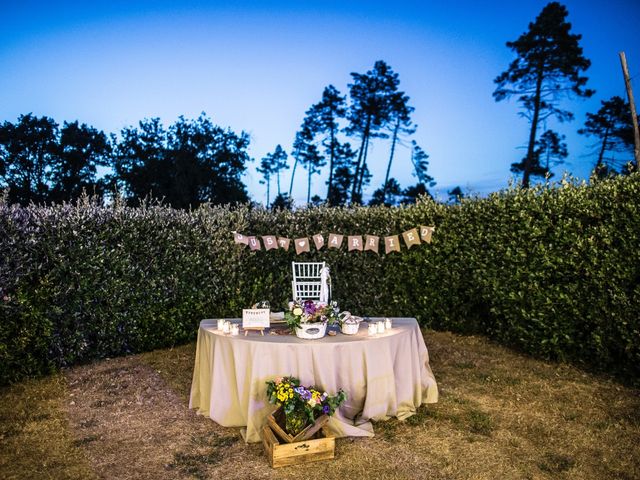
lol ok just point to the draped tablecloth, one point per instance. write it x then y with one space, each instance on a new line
384 375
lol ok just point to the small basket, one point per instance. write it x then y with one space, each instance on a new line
349 324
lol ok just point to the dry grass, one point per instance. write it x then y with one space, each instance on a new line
500 415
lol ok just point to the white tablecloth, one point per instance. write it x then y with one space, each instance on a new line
384 375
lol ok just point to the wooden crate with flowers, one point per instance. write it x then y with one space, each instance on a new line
296 431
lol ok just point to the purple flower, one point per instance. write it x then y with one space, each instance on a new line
325 409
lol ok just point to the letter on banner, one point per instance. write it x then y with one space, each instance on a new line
254 243
355 242
302 245
335 240
269 242
239 238
319 241
372 243
392 244
425 233
284 243
411 237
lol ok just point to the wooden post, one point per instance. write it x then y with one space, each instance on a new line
634 115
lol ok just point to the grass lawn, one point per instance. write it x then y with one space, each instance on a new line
501 415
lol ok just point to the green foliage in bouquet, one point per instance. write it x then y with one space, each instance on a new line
302 404
309 311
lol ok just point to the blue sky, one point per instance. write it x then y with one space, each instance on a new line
258 66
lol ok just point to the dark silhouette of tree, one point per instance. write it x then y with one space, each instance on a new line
548 67
343 177
413 192
420 166
282 202
279 158
140 164
550 149
401 124
455 195
267 168
323 119
304 138
613 128
28 152
81 150
387 195
369 113
191 163
312 161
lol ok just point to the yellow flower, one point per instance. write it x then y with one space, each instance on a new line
297 311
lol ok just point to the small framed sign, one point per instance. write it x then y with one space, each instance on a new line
255 318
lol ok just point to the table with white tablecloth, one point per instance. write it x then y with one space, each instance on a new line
385 375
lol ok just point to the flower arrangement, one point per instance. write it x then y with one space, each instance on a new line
309 311
301 405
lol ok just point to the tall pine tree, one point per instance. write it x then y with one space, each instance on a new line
548 67
369 113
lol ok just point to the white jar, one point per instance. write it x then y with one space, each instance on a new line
380 327
373 329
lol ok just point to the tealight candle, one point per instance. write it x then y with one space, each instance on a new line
387 323
226 328
373 329
221 324
235 329
380 326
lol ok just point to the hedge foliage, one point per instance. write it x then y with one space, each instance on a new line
550 271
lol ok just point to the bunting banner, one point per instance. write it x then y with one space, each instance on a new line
358 243
411 237
372 243
302 245
355 242
319 241
284 243
335 240
269 242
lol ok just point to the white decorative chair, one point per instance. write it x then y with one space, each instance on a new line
311 281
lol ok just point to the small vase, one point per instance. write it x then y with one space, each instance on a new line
295 422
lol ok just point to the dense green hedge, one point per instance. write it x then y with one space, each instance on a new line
551 271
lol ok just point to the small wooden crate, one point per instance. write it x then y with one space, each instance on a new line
282 454
276 420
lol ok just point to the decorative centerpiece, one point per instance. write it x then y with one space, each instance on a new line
302 410
349 324
309 319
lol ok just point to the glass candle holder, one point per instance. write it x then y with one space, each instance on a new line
380 327
226 327
235 329
373 329
221 324
387 323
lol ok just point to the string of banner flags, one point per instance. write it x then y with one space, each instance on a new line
412 237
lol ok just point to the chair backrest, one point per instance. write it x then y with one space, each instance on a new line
306 284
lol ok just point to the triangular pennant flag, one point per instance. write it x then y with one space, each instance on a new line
284 243
269 242
372 243
319 241
302 245
239 238
411 237
425 233
392 244
335 240
254 243
355 242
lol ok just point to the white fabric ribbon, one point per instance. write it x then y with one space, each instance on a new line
325 285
